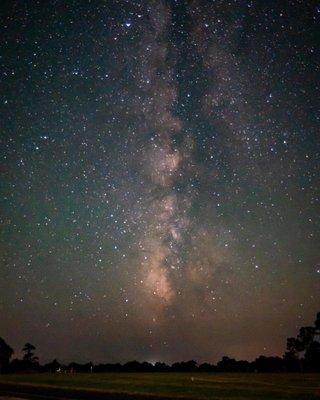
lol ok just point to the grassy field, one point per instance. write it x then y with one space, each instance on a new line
10 398
197 386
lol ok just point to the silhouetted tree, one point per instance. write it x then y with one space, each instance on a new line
17 365
136 366
206 367
28 350
291 362
244 366
5 354
108 368
317 321
161 367
268 364
291 359
53 366
76 367
227 364
29 358
306 345
184 366
312 357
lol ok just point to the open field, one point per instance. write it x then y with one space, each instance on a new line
182 385
9 398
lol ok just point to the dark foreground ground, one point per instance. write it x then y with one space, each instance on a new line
123 386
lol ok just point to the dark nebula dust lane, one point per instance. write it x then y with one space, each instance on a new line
159 177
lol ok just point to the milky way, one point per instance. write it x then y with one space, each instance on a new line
160 178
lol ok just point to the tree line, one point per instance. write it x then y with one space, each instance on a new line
302 355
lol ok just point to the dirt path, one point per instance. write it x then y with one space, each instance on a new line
50 393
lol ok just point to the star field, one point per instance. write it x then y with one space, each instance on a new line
159 177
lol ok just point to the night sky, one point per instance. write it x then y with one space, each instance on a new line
159 177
